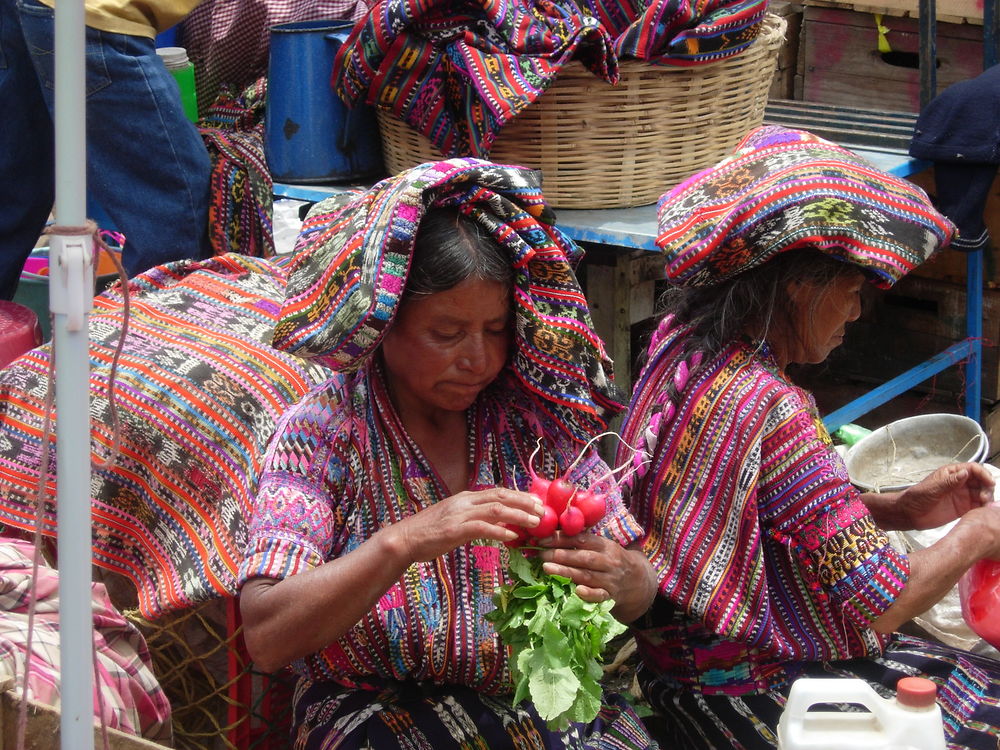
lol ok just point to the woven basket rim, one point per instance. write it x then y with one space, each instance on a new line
601 146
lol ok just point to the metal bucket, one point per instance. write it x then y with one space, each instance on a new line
310 135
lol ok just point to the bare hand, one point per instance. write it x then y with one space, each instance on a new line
948 493
457 520
602 569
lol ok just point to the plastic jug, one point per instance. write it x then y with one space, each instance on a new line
175 59
910 721
310 135
979 594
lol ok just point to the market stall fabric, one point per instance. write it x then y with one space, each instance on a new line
198 389
458 70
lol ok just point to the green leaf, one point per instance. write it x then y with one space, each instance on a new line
553 689
556 641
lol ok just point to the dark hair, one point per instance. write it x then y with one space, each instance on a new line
451 248
721 314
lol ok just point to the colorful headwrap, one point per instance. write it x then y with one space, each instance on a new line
788 189
352 260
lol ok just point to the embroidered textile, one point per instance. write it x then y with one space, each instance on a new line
341 467
766 553
786 189
450 718
239 217
199 389
351 262
459 70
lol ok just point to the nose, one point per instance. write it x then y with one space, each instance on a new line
474 357
855 311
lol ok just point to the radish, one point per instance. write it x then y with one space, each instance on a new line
522 538
571 521
592 505
561 491
538 486
548 525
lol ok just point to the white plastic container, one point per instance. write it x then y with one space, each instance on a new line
910 721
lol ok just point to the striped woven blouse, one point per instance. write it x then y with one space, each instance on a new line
766 554
341 466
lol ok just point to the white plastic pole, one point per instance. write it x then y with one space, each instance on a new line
70 299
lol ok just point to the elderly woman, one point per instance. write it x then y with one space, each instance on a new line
446 300
771 565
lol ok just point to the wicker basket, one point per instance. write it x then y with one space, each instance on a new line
602 146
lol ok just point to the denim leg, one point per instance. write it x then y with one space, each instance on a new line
26 152
146 162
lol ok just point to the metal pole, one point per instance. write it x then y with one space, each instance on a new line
70 299
928 51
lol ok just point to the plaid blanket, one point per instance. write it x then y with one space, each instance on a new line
130 696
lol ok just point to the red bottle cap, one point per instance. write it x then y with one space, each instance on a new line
916 692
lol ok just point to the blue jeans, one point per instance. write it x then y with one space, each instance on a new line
147 165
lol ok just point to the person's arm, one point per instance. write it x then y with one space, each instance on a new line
940 498
934 570
287 619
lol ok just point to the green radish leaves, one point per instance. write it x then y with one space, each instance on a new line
556 641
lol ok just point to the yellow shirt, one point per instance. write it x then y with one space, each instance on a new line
135 17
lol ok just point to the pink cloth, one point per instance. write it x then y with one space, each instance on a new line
132 699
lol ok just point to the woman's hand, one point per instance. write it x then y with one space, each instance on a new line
457 520
934 570
603 569
321 604
946 494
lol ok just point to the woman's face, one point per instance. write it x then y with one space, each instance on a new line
821 314
443 349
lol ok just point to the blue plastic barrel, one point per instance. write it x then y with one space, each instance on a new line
310 135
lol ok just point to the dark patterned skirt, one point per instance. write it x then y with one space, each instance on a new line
420 717
968 694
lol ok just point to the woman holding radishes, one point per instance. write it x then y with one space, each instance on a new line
772 566
467 365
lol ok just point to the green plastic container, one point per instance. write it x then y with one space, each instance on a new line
176 61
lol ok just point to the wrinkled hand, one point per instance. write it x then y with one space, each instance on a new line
457 520
948 493
602 569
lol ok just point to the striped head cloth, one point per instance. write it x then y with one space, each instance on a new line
352 260
786 189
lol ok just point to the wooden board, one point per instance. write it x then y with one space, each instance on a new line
43 728
783 83
912 322
840 62
947 11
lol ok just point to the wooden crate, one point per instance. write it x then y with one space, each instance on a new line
947 11
783 83
840 62
44 727
910 323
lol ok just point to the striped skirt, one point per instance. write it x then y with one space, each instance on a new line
422 717
968 694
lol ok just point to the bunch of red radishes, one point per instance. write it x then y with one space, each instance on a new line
567 508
